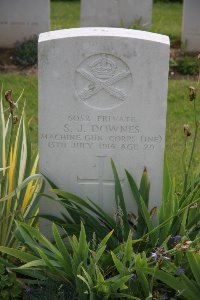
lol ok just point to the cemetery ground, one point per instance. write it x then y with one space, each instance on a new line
177 252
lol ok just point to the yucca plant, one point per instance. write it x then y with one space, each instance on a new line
20 186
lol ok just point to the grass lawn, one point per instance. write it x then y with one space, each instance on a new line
167 17
65 15
180 111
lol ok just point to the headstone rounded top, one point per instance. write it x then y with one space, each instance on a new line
103 31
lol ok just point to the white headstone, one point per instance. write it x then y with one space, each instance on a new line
102 95
22 19
191 25
116 13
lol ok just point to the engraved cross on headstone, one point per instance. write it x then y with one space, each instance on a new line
100 180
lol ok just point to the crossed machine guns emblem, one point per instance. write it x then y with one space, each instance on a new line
103 74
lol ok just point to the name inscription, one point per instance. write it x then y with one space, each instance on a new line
101 132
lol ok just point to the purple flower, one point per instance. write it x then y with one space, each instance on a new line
28 289
134 277
180 271
176 238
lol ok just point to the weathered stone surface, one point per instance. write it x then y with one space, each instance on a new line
22 19
116 13
102 95
191 25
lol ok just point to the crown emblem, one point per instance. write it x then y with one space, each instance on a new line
103 68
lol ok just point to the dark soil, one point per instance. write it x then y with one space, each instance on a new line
177 53
8 65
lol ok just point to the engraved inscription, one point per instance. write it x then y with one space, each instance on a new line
100 181
102 132
103 81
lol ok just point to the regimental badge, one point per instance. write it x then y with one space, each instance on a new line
103 81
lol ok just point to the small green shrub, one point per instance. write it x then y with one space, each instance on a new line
172 64
10 288
26 53
187 66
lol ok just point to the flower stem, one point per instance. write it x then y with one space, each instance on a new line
191 157
187 169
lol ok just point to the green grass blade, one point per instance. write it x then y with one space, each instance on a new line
103 215
145 220
32 207
41 239
84 280
99 253
128 249
37 264
144 192
194 262
120 203
20 187
59 242
18 173
79 201
141 261
74 198
66 259
136 195
118 264
28 148
145 187
105 240
24 256
89 279
118 284
180 284
83 247
153 234
3 158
